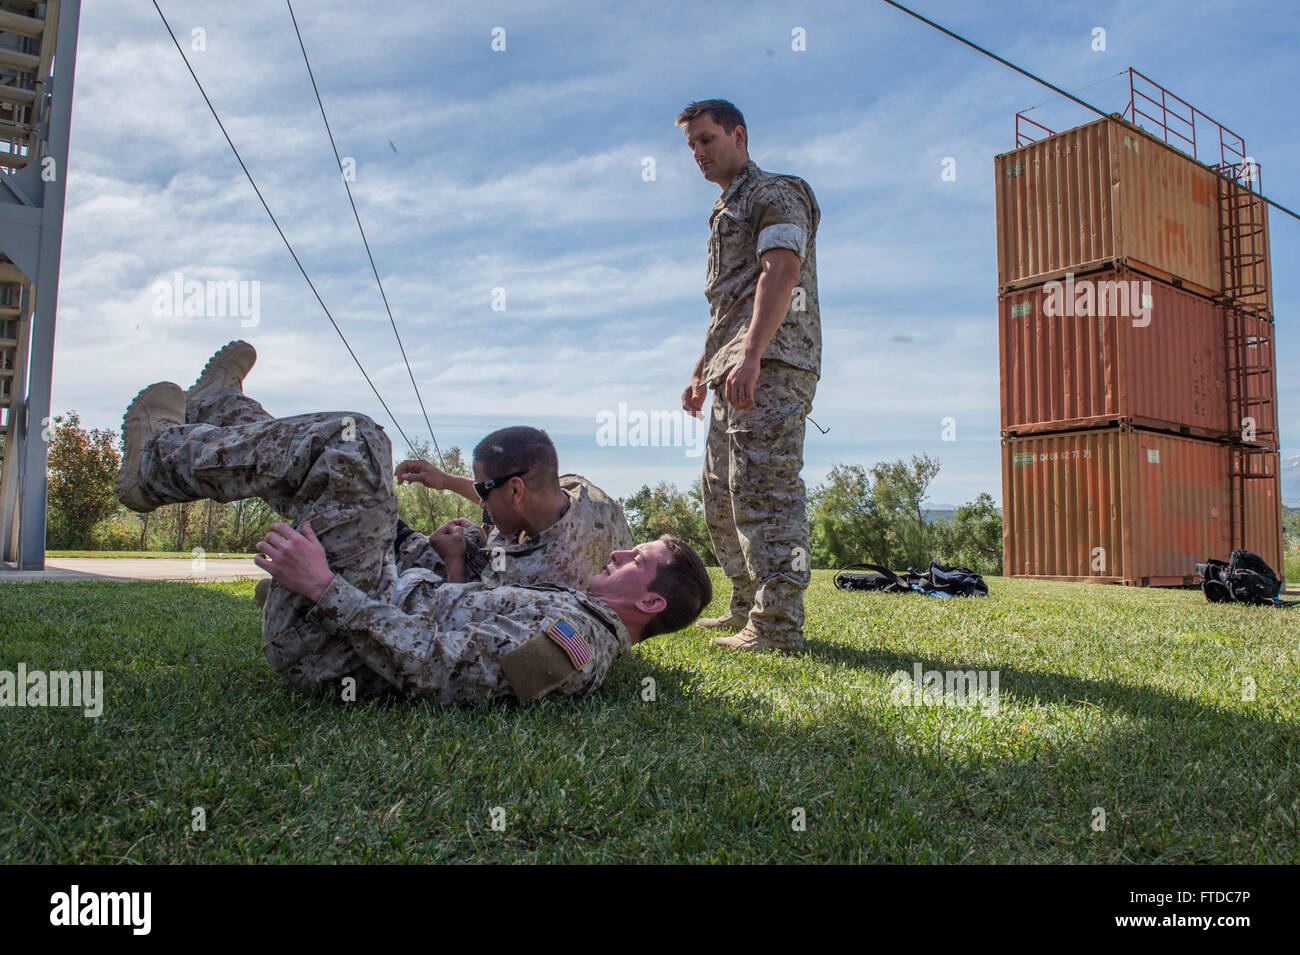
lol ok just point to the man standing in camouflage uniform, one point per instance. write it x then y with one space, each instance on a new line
762 358
547 528
339 617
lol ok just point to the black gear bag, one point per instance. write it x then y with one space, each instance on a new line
938 581
1244 578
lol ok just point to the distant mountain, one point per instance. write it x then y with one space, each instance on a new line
1291 481
941 512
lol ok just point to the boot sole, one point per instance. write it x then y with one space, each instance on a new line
127 484
215 362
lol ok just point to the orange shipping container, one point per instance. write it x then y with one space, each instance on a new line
1107 193
1115 505
1108 347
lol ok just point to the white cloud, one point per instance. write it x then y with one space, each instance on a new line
523 170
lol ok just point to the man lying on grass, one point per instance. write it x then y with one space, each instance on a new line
547 528
338 616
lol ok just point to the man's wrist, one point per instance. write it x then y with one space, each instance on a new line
318 591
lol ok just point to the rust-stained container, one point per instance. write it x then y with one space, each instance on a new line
1114 505
1107 193
1109 347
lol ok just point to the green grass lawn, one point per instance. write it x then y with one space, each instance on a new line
1118 699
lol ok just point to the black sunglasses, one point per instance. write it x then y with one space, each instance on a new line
481 488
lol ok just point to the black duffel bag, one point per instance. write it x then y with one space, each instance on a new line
1244 578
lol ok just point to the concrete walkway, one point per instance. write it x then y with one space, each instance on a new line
132 568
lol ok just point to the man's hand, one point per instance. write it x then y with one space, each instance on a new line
297 561
693 396
422 471
449 541
741 383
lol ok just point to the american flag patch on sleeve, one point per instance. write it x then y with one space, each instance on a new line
572 644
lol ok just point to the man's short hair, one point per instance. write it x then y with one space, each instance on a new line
520 448
684 583
724 114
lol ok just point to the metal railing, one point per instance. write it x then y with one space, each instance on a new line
1164 114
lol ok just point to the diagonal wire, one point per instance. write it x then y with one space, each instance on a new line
276 223
1066 93
1105 79
356 215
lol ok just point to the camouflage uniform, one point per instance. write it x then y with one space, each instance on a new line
565 554
754 499
224 409
454 643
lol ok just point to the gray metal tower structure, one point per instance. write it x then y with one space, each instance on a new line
38 53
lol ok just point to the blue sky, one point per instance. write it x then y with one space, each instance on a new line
522 170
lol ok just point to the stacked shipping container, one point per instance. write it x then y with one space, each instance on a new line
1137 383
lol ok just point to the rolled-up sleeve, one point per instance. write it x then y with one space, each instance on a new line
783 218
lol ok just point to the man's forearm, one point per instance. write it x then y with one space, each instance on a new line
771 304
699 366
455 570
464 487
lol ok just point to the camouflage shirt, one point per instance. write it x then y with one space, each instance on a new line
448 641
759 211
567 553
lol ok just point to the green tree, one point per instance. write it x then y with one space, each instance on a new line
664 509
899 488
425 509
847 525
82 468
873 516
972 537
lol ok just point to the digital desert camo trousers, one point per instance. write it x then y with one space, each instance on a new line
333 469
755 502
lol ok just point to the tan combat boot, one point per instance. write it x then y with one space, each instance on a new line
731 621
161 405
225 371
751 641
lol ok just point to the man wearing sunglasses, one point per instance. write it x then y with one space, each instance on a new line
338 617
546 528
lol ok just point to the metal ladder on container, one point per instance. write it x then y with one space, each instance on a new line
1248 322
1248 337
1243 247
1247 463
1251 377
